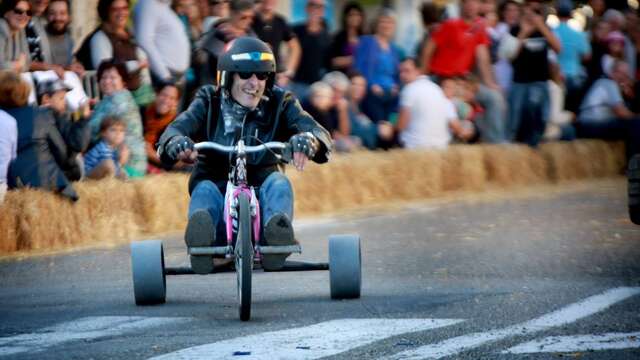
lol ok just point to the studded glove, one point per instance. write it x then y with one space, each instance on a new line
305 143
178 144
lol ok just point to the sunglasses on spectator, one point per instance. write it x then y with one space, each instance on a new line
244 75
18 11
315 5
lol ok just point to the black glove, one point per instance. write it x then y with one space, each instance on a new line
178 144
305 143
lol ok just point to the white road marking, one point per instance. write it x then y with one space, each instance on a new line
309 342
566 315
82 329
609 341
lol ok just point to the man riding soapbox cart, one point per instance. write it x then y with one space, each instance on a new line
254 117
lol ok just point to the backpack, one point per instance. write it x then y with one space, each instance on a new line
83 55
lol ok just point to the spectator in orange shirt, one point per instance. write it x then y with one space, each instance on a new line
156 118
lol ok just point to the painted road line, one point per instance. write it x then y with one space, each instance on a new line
576 343
82 329
310 342
566 315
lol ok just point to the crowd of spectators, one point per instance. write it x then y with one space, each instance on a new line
500 71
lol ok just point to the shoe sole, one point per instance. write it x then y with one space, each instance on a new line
277 232
200 232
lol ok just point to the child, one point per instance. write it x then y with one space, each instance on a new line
105 158
462 96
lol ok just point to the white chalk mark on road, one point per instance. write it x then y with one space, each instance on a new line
309 342
566 315
576 343
82 329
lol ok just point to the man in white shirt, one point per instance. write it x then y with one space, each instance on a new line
163 37
424 112
8 148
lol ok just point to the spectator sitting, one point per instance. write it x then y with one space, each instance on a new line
157 117
218 9
76 134
59 36
615 50
343 44
454 48
339 113
41 149
39 47
461 93
212 44
377 58
273 29
598 49
603 113
163 37
423 119
314 40
14 49
118 102
113 40
8 148
319 104
105 158
361 124
559 126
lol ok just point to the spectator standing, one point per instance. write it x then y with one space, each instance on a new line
430 14
76 134
162 36
272 28
575 51
41 148
314 40
118 102
192 19
377 58
343 44
453 50
604 114
213 43
58 33
8 147
14 48
509 16
113 40
103 160
599 32
529 94
156 119
424 115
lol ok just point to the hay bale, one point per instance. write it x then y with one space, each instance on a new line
583 159
162 202
10 209
512 164
463 168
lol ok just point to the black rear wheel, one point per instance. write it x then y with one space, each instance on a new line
633 176
244 257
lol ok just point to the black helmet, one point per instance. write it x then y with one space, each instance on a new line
246 54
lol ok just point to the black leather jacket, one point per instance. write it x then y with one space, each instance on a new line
277 118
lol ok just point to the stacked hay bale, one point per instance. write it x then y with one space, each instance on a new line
113 212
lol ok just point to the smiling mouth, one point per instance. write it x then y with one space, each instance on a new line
249 92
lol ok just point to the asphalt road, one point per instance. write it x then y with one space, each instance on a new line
547 273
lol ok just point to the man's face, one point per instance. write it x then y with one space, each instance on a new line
243 19
58 16
247 92
167 100
408 71
470 8
315 9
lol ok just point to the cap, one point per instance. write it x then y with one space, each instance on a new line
51 86
615 36
563 8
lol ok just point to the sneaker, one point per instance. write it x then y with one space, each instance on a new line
277 232
633 176
200 232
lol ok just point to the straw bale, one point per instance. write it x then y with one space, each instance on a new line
463 168
583 159
511 164
162 202
9 213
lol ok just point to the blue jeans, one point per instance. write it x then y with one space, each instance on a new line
613 129
275 196
529 112
491 124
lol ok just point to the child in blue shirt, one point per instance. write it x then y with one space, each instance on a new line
105 158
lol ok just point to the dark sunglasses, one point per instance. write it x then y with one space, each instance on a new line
22 12
244 75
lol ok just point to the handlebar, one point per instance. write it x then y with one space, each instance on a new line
273 145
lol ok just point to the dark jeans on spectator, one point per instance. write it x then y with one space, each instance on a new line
528 112
613 129
379 108
575 91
